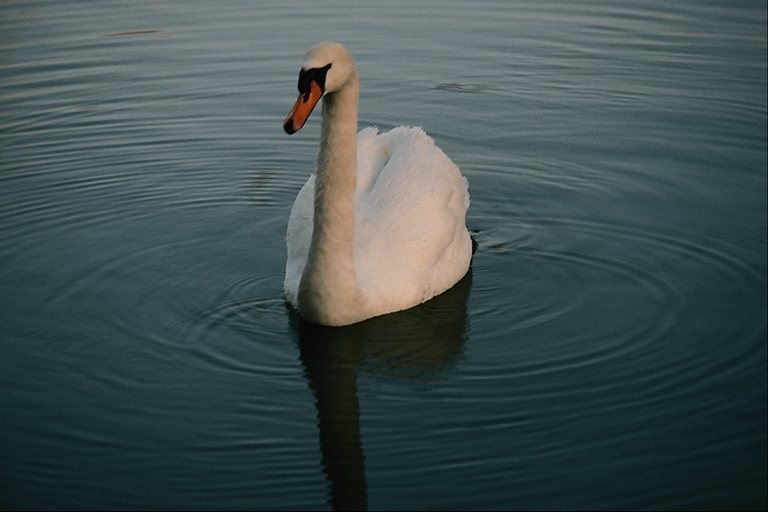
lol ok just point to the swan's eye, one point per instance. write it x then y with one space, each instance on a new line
316 75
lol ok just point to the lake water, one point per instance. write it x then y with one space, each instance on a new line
608 349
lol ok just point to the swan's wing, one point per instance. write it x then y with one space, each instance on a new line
411 241
411 237
298 238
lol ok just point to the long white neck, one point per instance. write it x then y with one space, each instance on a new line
329 291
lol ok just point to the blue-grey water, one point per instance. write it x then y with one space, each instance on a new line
608 350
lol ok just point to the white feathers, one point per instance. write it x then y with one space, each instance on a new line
380 226
410 240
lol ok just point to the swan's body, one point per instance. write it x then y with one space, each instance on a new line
380 226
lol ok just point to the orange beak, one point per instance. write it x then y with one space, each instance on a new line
302 108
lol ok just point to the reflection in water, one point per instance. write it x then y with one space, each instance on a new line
414 344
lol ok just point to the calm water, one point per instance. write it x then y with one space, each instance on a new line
607 351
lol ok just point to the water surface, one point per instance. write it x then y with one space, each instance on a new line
607 351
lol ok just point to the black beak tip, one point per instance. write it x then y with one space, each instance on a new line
288 127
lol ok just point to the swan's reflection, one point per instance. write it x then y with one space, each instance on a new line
416 343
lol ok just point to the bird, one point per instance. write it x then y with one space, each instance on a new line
380 225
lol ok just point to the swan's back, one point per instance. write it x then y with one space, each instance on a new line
411 242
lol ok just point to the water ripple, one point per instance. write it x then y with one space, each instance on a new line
559 273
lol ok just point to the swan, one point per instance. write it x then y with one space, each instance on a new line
380 225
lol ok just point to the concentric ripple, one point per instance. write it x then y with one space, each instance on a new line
608 350
609 286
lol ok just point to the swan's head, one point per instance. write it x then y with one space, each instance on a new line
327 68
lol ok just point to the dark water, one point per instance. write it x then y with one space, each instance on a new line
607 351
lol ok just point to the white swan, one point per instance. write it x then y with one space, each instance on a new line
380 225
